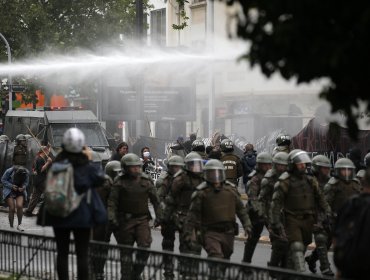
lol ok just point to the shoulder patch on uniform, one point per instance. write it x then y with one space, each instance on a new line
333 181
284 176
178 173
254 172
269 173
230 184
201 186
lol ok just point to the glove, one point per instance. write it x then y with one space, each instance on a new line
247 232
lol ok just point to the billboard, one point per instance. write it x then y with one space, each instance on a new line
153 103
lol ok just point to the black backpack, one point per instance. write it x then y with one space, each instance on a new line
352 238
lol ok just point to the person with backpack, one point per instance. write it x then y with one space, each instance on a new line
351 235
66 208
15 181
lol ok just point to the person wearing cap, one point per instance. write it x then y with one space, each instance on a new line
41 167
297 196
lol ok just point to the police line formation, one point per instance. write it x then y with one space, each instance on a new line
291 195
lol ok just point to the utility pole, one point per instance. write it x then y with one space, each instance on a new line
140 39
9 75
211 93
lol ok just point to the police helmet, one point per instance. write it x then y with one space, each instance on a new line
264 157
344 164
320 161
198 146
128 160
214 171
367 160
283 140
175 161
280 158
194 162
28 136
113 168
4 138
297 156
20 137
73 140
227 145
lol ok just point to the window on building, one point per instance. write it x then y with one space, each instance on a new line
158 27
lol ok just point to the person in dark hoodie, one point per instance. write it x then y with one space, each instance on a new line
80 221
121 150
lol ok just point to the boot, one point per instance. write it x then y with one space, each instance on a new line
322 253
311 263
249 248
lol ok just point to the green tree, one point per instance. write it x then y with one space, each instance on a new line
35 26
312 39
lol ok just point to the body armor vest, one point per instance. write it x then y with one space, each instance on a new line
20 155
300 196
343 192
231 168
184 198
272 178
218 207
133 197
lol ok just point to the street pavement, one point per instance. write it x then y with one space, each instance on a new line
261 256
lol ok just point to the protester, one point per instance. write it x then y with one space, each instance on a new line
42 164
15 181
80 221
146 158
248 162
121 150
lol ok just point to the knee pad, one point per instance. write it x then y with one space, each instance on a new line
321 239
297 246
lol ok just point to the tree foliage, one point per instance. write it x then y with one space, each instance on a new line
35 26
312 39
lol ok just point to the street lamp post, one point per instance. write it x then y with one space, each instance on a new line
9 75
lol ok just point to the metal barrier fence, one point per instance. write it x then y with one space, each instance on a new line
27 256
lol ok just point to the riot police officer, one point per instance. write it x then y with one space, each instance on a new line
361 173
168 228
20 153
179 198
214 206
298 196
199 147
264 162
232 163
340 188
128 210
104 232
320 168
283 142
279 245
177 206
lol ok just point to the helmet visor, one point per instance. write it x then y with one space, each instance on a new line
301 157
195 166
214 175
345 173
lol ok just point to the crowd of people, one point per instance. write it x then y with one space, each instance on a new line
294 197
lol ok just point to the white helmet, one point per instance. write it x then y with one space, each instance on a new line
73 140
